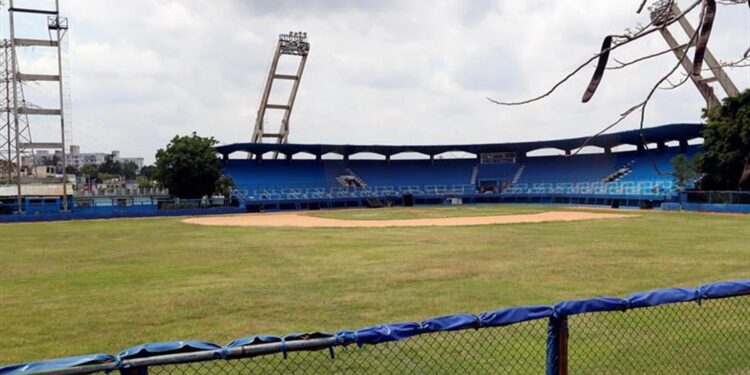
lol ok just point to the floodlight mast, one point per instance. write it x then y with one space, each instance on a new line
19 139
664 11
291 44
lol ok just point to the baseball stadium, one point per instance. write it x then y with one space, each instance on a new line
580 255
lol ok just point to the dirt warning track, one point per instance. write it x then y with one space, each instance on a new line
306 221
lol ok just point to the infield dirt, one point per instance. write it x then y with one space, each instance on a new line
307 221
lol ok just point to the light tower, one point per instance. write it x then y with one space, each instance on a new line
666 10
10 154
292 44
16 129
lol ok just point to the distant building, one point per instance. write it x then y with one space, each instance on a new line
137 161
78 159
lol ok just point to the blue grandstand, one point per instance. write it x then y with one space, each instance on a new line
496 173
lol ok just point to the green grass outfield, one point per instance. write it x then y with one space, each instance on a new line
70 288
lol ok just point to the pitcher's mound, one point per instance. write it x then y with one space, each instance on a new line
302 220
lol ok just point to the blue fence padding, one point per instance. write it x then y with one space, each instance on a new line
450 323
660 297
514 315
307 336
57 364
253 340
379 334
400 331
162 348
590 305
724 289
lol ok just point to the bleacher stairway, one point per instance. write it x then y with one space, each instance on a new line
623 171
519 173
239 195
374 202
350 179
474 175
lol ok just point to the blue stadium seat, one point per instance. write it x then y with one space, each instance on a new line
621 173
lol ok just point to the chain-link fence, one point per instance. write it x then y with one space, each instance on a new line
515 349
672 331
719 197
712 337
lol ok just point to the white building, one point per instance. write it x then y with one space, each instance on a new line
78 159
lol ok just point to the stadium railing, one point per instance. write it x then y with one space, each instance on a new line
295 192
118 192
661 188
703 330
653 188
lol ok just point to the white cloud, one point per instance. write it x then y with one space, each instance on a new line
379 71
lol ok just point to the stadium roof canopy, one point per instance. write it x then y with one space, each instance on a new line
659 134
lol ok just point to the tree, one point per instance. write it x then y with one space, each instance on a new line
110 166
90 171
685 171
148 171
6 166
225 185
726 143
745 179
104 177
129 170
189 166
144 182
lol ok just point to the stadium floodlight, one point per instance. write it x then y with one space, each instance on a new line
662 12
294 43
16 143
666 12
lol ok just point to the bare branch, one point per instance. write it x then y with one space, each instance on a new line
626 41
640 8
673 86
658 17
625 64
622 117
693 38
742 62
642 105
739 62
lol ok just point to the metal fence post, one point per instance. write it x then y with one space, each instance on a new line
557 346
563 346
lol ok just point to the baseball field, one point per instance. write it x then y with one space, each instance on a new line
70 288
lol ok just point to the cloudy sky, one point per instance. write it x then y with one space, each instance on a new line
387 71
